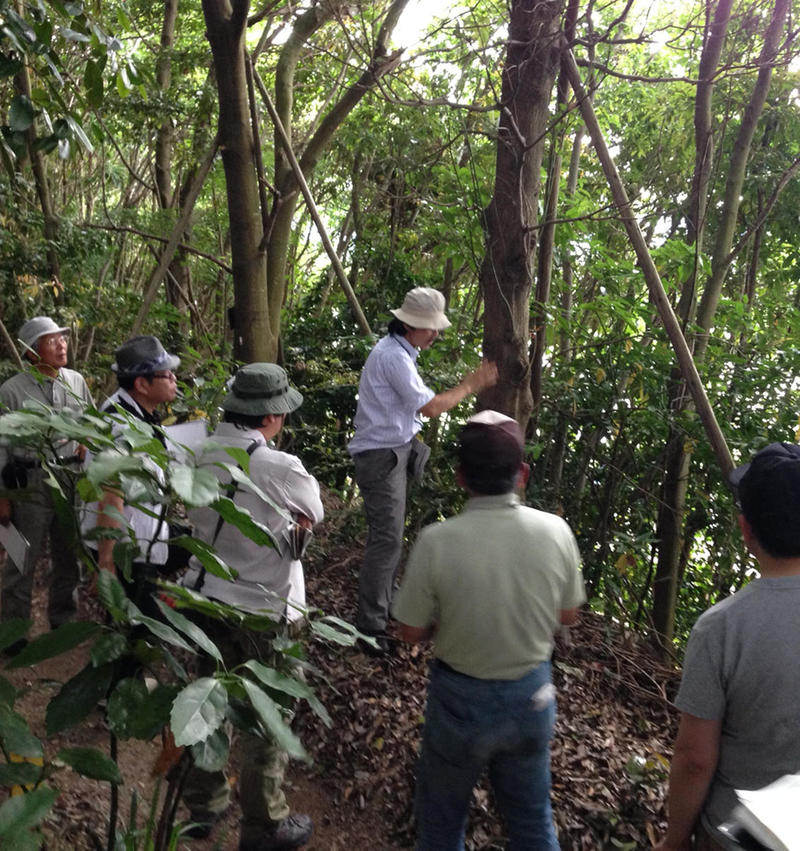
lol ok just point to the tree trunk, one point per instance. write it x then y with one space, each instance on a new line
254 338
529 72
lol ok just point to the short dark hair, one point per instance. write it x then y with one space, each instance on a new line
490 456
397 327
768 492
244 420
126 382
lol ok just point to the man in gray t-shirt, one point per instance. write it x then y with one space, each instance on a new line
740 725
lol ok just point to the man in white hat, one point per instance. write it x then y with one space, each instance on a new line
47 382
268 582
392 398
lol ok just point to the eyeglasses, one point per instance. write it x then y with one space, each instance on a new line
169 375
53 339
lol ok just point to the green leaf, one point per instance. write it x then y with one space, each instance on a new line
21 114
16 735
162 631
109 463
207 557
93 81
135 712
19 773
12 630
278 681
190 629
112 595
54 643
78 698
198 711
8 694
23 812
109 648
91 763
212 754
242 519
334 629
270 714
194 485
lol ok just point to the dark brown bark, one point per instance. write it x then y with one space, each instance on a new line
506 277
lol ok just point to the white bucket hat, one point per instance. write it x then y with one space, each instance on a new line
423 307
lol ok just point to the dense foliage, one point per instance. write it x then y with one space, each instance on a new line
119 118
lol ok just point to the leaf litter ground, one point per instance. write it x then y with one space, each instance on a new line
610 751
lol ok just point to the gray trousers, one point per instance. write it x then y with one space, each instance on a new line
34 516
382 477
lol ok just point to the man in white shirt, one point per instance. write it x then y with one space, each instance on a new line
392 399
269 581
48 382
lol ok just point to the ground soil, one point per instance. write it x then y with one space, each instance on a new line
610 751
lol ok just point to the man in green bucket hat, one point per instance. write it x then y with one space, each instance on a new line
269 582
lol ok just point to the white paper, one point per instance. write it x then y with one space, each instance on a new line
773 809
16 545
186 436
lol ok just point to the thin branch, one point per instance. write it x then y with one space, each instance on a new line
182 245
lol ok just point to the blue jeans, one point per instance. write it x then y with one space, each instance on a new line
502 725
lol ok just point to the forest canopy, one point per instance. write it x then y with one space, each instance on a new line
264 181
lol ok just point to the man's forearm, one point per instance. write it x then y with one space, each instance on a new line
688 787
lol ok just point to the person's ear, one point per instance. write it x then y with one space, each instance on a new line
523 475
460 479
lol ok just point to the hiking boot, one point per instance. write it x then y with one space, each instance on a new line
291 832
201 824
382 651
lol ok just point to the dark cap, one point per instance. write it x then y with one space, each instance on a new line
262 388
768 492
490 452
143 356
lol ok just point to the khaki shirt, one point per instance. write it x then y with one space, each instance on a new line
68 391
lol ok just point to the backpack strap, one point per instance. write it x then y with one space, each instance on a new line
230 491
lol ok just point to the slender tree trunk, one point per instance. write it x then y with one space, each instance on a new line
254 337
529 72
677 453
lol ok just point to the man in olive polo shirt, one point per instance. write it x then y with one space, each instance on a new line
491 587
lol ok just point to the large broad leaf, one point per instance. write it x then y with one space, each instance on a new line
93 82
78 698
198 711
191 630
289 685
164 632
16 735
112 595
12 630
270 714
212 754
19 773
242 519
336 630
21 114
108 648
109 463
194 485
23 812
54 643
91 763
207 557
134 712
8 694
